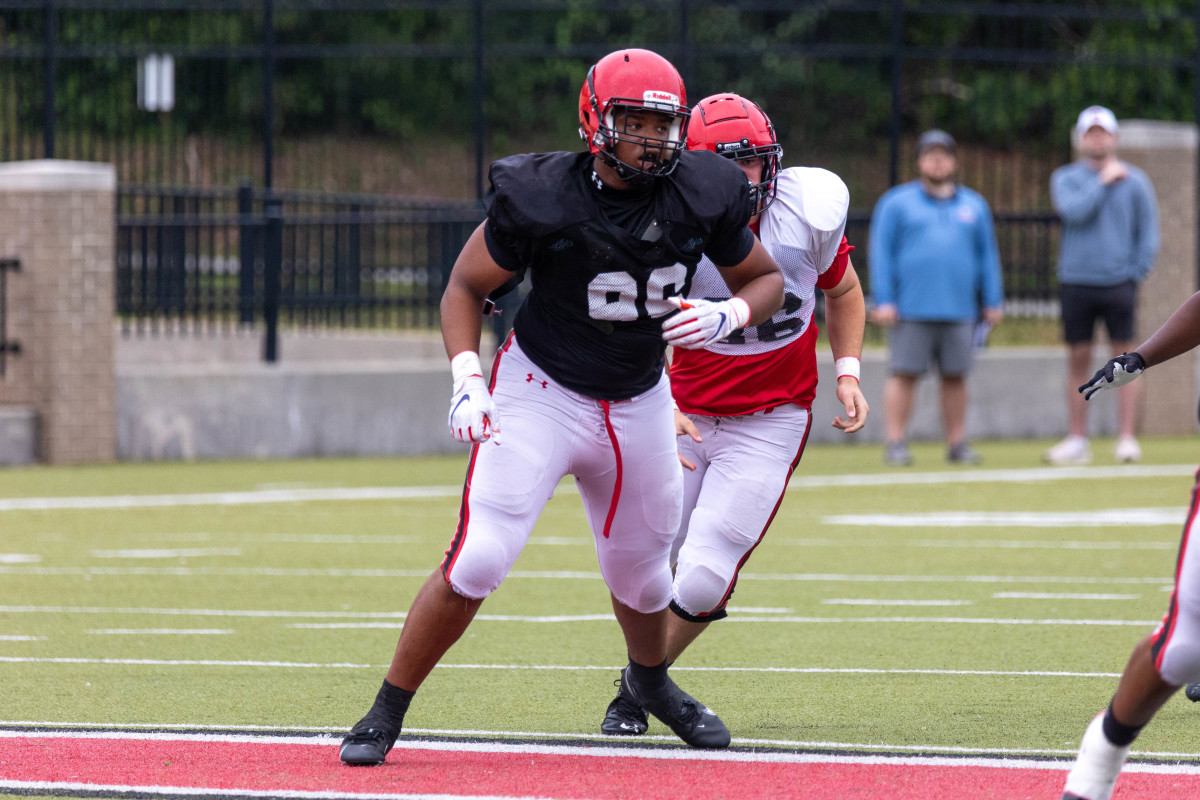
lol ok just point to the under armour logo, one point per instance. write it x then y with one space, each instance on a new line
530 379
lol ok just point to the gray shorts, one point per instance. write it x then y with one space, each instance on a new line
917 344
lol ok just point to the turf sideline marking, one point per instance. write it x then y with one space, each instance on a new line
20 727
672 754
1038 474
121 790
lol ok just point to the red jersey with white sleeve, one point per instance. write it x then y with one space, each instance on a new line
773 363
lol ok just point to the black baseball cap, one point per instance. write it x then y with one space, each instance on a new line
935 138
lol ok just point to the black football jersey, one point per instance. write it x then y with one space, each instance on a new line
602 262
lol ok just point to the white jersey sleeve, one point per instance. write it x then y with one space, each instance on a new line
801 230
809 214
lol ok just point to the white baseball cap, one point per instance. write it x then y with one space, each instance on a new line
1093 116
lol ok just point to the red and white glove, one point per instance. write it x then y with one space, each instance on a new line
472 412
702 322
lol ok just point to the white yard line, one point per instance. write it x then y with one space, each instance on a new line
159 631
1031 475
189 662
1108 517
578 575
568 618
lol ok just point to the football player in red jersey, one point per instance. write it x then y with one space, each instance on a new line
746 399
609 237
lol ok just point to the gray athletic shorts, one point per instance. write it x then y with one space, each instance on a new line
916 344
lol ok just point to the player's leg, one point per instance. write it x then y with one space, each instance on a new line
749 461
752 460
495 520
1158 666
631 483
624 717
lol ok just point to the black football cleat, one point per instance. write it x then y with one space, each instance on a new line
368 742
691 720
1192 692
624 717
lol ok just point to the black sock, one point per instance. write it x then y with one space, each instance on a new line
650 679
392 702
1118 732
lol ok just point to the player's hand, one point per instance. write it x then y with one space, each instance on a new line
685 427
473 413
701 322
851 397
1117 372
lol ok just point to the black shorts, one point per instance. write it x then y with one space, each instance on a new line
1083 305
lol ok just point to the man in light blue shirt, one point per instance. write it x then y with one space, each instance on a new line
933 262
1109 241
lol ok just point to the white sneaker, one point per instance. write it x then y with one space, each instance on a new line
1128 450
1071 450
1095 771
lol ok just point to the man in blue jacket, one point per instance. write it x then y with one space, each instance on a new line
1109 241
932 258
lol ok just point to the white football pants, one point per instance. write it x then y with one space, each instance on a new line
1176 644
742 470
624 460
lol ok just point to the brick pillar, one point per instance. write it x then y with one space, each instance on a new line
58 218
1167 153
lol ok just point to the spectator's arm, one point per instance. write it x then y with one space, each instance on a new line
1076 194
1147 236
989 261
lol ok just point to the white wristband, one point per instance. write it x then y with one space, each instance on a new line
848 366
741 313
463 366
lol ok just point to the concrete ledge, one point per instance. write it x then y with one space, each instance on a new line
18 435
373 407
57 175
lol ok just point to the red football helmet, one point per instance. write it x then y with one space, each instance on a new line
737 128
633 79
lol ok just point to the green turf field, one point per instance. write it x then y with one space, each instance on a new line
240 600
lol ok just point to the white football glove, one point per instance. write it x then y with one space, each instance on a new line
472 412
701 322
1117 372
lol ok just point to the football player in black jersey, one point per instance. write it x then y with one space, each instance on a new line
611 238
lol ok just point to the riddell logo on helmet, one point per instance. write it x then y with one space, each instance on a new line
653 97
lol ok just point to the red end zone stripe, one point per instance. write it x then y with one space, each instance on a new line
271 767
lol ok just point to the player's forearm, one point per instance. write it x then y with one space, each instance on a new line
1179 334
846 316
461 319
845 319
764 295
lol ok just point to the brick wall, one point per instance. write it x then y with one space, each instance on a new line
58 218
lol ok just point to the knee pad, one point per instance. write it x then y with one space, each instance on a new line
645 587
699 591
479 567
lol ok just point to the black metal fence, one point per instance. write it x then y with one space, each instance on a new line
399 101
215 260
